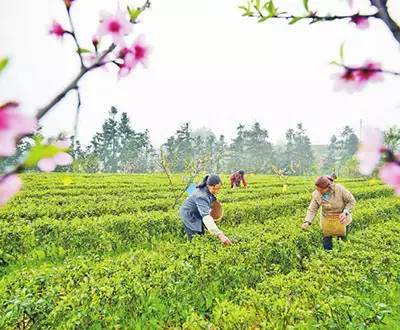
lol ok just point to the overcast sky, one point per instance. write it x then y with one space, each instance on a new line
209 66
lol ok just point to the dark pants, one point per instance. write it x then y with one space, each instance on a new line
327 240
190 233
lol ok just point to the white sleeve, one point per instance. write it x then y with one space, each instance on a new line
211 226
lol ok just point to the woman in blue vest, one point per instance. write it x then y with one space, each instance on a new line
195 211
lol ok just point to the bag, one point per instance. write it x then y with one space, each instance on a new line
331 226
216 211
191 189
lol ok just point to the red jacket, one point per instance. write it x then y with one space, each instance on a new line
236 178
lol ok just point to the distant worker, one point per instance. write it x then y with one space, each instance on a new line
195 211
237 178
336 205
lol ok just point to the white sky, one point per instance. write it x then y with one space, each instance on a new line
209 66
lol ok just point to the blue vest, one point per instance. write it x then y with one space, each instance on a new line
195 207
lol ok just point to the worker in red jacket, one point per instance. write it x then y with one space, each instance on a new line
237 178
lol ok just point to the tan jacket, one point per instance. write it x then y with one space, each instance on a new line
340 199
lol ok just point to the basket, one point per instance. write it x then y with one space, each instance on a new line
216 210
331 226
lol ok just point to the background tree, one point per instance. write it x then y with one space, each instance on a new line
236 150
258 155
348 144
332 157
392 138
299 157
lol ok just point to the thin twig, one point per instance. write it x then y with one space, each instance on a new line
351 68
314 18
73 84
166 171
73 34
146 5
78 108
177 198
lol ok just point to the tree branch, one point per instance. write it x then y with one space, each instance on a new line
74 83
43 111
313 17
383 14
351 68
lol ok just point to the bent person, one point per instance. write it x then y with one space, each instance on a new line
336 204
237 178
195 211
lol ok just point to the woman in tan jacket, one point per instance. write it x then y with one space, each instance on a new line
336 205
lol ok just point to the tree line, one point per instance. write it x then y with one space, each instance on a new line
117 147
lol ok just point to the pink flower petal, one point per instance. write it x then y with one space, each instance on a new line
7 143
8 106
9 187
21 123
118 40
390 174
372 138
102 30
129 60
63 159
368 161
347 81
360 21
47 164
369 152
363 25
57 29
116 25
124 71
12 125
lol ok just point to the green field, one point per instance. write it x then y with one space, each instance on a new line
108 252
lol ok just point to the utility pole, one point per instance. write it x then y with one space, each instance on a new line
361 125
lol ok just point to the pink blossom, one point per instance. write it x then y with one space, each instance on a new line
128 65
12 125
347 81
390 174
116 25
57 29
9 187
355 79
95 41
137 53
370 71
140 51
369 152
49 164
360 21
